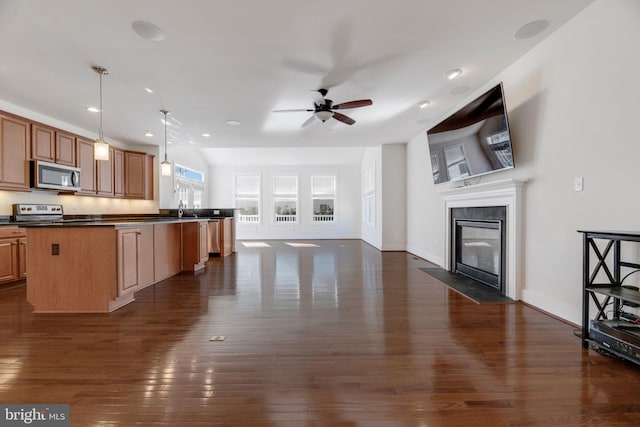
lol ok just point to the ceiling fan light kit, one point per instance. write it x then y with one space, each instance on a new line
323 108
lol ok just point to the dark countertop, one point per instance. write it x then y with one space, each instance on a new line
123 220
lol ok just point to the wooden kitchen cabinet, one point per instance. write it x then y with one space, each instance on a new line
134 172
118 172
52 145
194 245
87 165
65 152
15 152
13 251
104 175
148 191
128 252
43 143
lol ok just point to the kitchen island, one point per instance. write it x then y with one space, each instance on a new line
97 266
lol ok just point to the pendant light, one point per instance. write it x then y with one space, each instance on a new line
165 166
100 147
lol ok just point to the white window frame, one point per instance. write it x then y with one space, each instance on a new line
327 218
249 219
279 197
190 185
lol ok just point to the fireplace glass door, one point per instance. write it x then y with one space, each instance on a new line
479 250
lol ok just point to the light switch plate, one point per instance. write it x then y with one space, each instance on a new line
578 183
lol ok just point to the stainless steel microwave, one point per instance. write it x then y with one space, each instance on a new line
53 176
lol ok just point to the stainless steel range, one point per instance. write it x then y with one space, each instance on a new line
30 212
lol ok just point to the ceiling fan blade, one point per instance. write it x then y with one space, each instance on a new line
318 97
296 110
353 104
309 121
342 118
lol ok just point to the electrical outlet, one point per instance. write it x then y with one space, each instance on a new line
55 249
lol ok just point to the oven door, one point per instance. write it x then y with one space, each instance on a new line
55 177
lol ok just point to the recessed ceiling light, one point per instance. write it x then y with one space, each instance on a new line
148 31
452 74
531 29
93 109
206 135
148 133
424 104
192 142
169 142
148 90
233 122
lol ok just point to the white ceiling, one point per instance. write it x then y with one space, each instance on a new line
242 59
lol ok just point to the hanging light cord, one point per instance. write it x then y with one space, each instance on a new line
165 112
101 134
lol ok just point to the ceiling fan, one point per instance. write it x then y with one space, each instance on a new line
323 108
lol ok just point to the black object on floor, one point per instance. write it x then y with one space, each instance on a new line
470 288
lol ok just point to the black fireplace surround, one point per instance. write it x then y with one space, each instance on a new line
478 244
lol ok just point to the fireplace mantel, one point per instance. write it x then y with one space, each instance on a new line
507 193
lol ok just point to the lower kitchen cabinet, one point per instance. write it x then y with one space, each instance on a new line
13 251
195 249
128 241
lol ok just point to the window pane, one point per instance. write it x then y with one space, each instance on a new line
285 207
323 206
247 206
248 185
285 185
324 185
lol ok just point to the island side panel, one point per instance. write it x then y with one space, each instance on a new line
82 277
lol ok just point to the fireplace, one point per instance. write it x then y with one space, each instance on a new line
507 193
478 236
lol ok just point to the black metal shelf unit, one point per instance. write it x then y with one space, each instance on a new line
607 330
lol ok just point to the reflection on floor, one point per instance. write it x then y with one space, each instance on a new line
335 334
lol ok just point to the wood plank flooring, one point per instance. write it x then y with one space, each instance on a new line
332 334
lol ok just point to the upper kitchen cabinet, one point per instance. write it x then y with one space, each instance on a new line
118 172
104 175
15 152
65 149
87 165
138 175
52 145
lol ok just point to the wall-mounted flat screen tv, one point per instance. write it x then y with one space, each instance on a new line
472 141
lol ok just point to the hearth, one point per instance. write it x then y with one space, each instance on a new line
478 236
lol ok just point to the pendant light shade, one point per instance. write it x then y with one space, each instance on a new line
165 166
100 146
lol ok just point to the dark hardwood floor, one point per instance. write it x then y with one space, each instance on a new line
328 335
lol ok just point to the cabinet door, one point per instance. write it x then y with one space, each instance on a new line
118 172
8 260
128 260
87 165
15 149
22 258
104 175
148 179
65 149
134 174
43 145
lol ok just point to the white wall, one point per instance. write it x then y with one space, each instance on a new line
573 109
394 197
347 207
